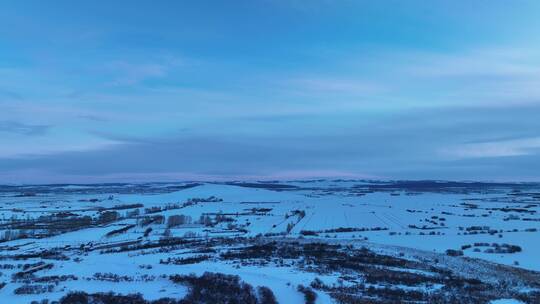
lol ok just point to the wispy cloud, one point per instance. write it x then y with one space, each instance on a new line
9 95
23 129
481 62
347 86
308 88
92 117
504 148
55 147
127 73
482 76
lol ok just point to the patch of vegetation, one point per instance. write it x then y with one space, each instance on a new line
119 231
218 288
185 261
309 295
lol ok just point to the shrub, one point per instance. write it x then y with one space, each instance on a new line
308 232
78 297
452 252
266 296
309 295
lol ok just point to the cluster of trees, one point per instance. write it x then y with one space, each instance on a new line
206 220
221 288
108 217
147 220
33 289
81 297
185 261
210 199
119 231
111 277
45 225
9 235
210 288
496 248
454 253
178 220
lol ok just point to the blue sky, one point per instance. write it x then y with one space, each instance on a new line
102 91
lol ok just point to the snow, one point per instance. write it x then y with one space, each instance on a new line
327 205
506 301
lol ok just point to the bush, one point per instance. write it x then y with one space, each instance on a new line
266 296
309 295
317 283
78 297
452 252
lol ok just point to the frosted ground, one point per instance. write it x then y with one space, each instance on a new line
306 241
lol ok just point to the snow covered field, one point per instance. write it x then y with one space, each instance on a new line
416 241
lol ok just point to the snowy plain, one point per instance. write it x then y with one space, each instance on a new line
101 238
